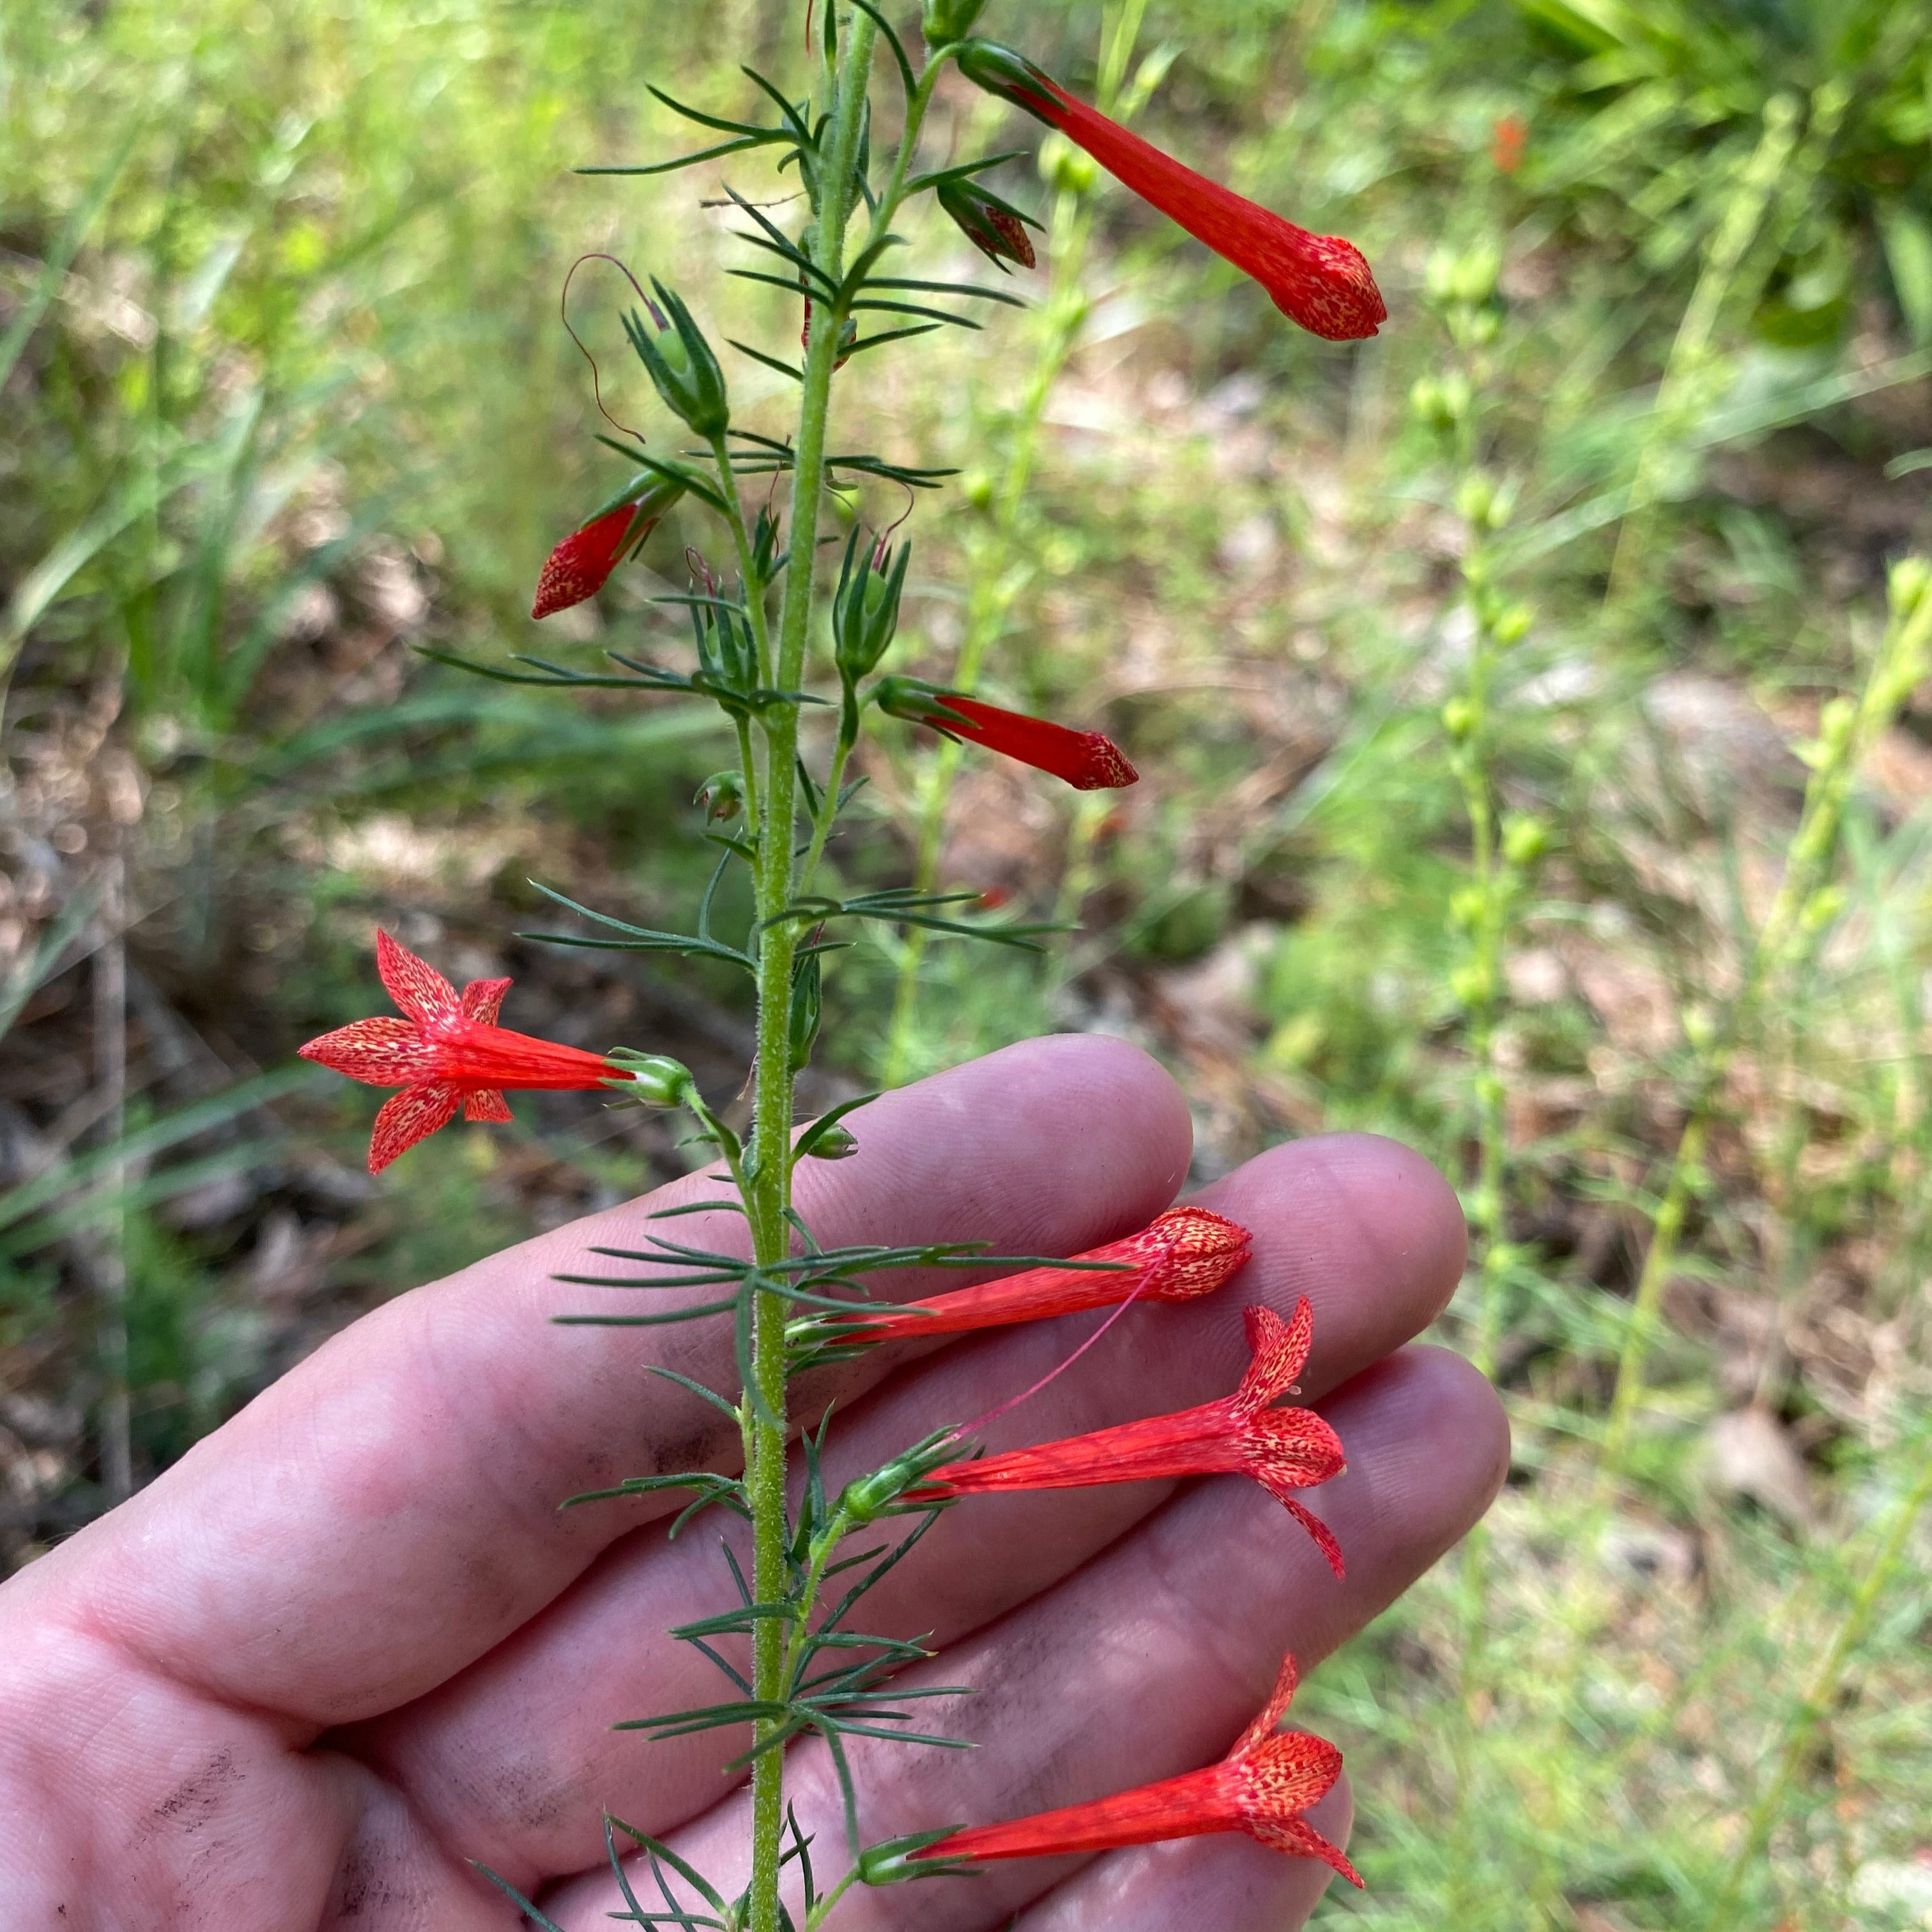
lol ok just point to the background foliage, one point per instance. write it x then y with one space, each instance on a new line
1477 675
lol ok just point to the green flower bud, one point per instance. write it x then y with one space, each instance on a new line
680 364
1525 839
1442 402
1465 907
722 796
837 1142
1065 168
1459 718
1475 496
807 1009
1910 580
947 20
1512 623
865 606
1821 909
1472 985
976 487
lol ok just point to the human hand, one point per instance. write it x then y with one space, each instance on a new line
349 1642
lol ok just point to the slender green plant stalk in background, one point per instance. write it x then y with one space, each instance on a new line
1849 729
1821 1694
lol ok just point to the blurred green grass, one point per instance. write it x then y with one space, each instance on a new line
1568 565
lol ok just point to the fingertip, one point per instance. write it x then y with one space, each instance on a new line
1367 1228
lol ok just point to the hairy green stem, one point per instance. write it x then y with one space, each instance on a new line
768 1165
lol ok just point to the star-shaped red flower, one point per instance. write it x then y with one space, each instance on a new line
447 1052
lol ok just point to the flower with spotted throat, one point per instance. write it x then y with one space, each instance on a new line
1185 1252
1321 281
1242 1434
447 1052
1263 1787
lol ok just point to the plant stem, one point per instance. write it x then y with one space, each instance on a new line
1811 1708
1801 903
768 1166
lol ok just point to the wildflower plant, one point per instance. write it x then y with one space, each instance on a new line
761 609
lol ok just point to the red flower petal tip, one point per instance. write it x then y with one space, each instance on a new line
1185 1252
446 1052
581 565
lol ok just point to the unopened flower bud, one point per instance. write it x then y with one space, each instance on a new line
1910 580
1525 839
1821 909
1474 495
653 1077
976 487
947 20
994 225
1064 168
1465 907
722 796
1512 623
1459 718
833 1143
680 364
1442 402
865 606
1472 985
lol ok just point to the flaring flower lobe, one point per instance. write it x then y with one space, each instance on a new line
447 1052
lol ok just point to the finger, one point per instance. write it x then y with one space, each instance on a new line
387 1513
518 1754
1224 1884
1148 1661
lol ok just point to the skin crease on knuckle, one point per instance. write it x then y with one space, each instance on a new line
383 1870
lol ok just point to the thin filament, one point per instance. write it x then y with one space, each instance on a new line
563 312
1027 1395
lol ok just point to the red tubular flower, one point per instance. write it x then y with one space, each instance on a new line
1320 281
1185 1252
1087 761
581 565
1283 1449
1261 1787
448 1052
